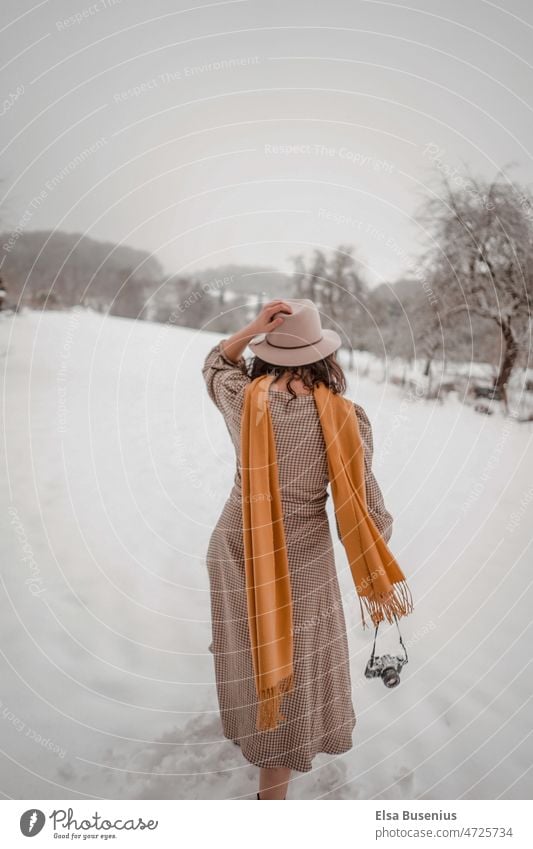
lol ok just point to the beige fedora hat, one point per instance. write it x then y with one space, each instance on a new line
300 340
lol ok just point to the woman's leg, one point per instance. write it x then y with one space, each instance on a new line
273 783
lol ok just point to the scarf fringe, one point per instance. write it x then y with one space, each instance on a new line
268 709
398 602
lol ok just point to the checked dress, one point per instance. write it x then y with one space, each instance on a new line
319 712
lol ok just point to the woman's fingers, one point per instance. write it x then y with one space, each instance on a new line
276 306
274 323
267 318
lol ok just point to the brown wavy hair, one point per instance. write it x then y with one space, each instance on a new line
327 371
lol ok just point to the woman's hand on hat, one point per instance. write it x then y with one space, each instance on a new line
270 317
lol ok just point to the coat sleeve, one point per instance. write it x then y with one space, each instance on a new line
374 497
225 381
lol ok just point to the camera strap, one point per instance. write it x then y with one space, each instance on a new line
399 634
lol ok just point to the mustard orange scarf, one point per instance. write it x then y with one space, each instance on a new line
379 581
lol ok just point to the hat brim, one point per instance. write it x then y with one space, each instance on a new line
329 343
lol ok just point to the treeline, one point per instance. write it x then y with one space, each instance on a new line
468 299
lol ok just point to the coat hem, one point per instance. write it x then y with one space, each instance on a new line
272 763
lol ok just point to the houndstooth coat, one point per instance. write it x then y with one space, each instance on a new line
319 711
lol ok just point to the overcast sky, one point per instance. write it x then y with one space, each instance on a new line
248 131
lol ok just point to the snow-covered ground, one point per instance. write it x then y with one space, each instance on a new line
117 466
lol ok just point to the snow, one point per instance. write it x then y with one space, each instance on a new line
117 468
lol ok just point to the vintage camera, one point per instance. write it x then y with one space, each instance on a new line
388 666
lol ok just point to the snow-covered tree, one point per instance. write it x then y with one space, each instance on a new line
481 259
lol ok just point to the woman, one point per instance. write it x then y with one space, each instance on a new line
319 712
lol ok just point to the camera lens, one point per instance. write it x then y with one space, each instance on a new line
390 677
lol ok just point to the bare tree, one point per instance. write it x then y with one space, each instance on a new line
309 276
481 259
336 286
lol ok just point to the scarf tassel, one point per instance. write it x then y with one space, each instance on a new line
397 602
268 711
